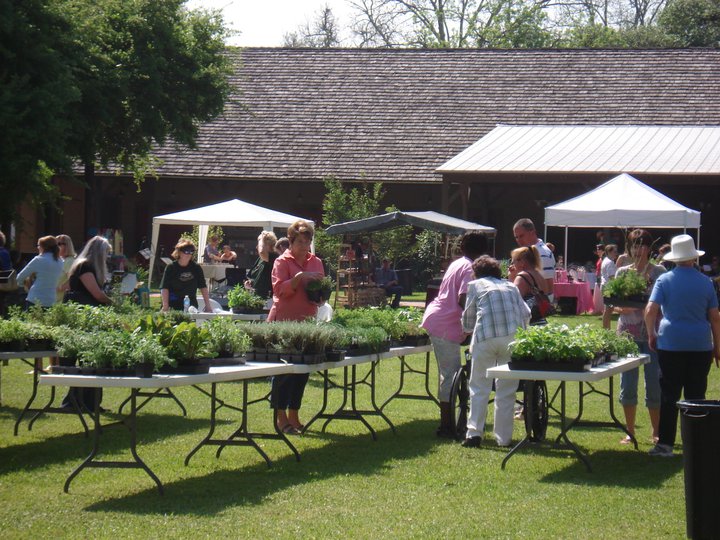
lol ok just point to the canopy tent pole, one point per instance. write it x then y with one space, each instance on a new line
153 249
565 260
202 241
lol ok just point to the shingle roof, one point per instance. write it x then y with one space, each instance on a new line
589 149
396 115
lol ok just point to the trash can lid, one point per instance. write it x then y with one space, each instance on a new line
699 406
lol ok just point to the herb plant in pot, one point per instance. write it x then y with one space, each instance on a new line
227 339
12 335
190 347
319 290
551 348
242 300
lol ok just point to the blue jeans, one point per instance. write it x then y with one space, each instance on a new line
629 381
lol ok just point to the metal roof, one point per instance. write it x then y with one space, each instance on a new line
592 149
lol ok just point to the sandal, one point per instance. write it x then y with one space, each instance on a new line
288 429
626 440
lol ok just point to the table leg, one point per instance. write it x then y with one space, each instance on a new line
157 394
137 462
377 410
530 412
564 426
75 408
406 368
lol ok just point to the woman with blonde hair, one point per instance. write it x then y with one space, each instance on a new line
89 273
183 277
524 272
259 277
68 256
46 267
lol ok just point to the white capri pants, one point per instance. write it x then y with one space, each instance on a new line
447 354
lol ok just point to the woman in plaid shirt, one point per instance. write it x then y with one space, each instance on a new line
494 310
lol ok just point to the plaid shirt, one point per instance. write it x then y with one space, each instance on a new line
494 308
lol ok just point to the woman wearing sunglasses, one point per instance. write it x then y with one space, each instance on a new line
183 277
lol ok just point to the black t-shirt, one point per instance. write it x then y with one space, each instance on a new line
183 281
261 276
78 292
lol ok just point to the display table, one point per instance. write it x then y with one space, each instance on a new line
599 373
577 289
214 273
34 359
148 387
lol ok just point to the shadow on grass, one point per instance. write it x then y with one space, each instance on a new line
341 455
74 446
612 468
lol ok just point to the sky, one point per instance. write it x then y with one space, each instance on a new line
263 23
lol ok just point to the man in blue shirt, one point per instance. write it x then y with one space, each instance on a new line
387 278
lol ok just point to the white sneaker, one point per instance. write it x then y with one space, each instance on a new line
661 450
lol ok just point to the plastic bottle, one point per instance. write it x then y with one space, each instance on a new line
186 303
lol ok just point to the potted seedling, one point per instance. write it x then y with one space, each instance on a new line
242 300
146 355
190 347
227 339
12 335
551 348
319 290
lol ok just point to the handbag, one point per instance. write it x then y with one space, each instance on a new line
540 305
8 281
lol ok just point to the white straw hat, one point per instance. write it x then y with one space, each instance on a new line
683 249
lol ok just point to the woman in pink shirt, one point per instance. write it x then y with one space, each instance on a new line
291 272
442 320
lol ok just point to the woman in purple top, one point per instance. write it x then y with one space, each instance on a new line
442 320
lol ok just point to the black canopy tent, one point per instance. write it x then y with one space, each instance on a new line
434 221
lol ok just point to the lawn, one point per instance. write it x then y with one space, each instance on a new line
404 486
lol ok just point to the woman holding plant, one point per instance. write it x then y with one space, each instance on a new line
631 321
687 338
290 274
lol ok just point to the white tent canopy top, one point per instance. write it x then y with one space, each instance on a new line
622 202
232 213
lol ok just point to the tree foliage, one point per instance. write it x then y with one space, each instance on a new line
101 81
692 23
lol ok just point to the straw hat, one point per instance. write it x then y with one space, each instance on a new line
683 249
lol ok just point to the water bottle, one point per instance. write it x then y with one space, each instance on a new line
186 303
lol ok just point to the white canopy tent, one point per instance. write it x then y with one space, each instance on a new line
232 213
622 202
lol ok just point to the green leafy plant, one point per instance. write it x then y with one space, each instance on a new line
12 331
69 343
226 337
240 297
144 348
319 290
189 342
626 284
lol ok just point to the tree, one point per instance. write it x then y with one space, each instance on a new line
102 81
692 23
37 83
154 72
450 23
322 33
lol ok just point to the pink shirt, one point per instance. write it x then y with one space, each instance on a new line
443 315
292 304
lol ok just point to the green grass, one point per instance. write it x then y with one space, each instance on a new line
406 485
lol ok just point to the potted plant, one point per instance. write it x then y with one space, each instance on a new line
628 289
319 290
38 337
69 343
189 346
365 341
242 300
227 338
12 335
552 347
146 355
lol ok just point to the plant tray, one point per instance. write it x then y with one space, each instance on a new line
248 311
414 341
335 356
12 346
197 367
635 301
228 361
38 345
532 365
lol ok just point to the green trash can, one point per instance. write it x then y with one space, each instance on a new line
700 428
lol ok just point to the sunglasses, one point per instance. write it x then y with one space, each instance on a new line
62 244
187 251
